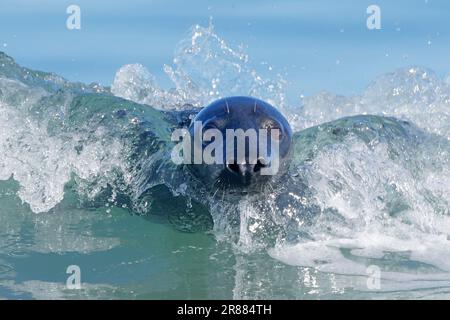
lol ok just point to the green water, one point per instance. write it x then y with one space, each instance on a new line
123 256
120 255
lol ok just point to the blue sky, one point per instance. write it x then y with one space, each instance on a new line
320 45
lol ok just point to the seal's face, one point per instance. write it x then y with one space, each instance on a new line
252 142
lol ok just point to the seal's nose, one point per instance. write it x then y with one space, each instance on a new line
241 172
245 172
240 169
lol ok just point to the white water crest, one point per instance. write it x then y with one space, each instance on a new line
42 162
376 210
414 93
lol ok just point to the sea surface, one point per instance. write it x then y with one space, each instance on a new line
363 212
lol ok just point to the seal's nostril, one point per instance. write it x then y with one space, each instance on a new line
259 164
233 167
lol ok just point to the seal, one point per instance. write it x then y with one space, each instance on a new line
262 129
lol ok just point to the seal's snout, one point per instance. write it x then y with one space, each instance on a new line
244 173
248 139
246 168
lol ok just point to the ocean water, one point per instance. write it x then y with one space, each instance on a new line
84 178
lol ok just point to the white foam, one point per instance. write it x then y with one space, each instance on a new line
413 93
43 163
382 205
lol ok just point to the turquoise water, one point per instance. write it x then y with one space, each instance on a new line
86 180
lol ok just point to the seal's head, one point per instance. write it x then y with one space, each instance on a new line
247 140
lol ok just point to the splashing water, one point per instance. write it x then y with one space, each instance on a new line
205 68
414 94
377 205
364 190
41 161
